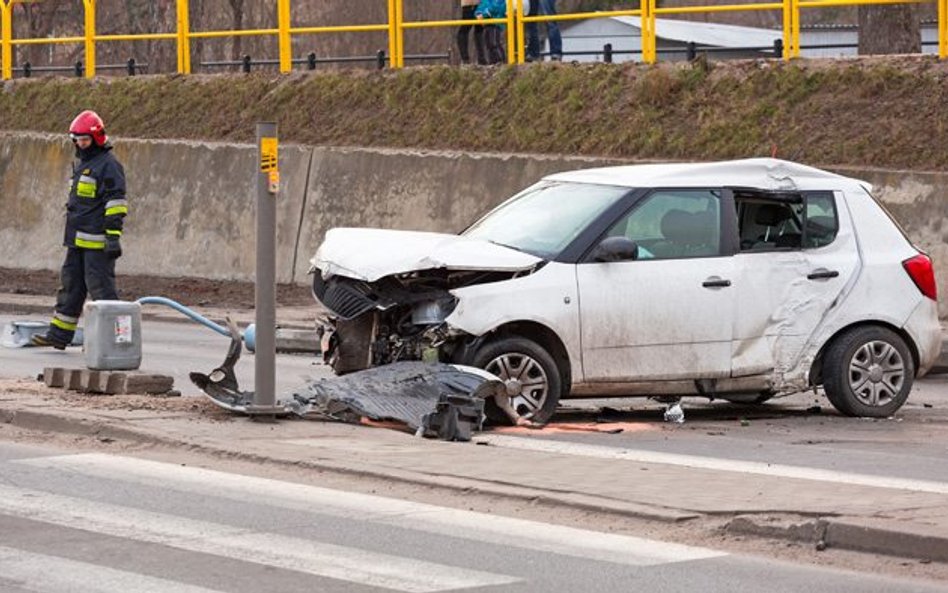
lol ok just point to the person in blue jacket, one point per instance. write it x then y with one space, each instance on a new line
493 34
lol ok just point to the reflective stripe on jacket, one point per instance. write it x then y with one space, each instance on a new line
97 203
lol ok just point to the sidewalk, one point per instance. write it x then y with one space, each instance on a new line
912 523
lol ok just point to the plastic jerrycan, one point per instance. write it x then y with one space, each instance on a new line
113 335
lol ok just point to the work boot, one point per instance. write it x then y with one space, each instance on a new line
45 341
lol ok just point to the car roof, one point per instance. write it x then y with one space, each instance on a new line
760 173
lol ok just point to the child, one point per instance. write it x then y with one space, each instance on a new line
493 34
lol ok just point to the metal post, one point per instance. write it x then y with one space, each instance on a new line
27 70
398 59
511 32
6 39
650 37
943 29
131 66
286 42
311 61
521 31
691 51
778 48
90 38
245 64
184 37
264 399
607 53
78 68
392 31
795 29
787 29
380 59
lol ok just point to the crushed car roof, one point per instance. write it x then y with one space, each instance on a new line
761 173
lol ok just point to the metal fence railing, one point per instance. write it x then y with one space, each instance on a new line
396 27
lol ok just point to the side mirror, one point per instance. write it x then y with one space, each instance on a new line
614 249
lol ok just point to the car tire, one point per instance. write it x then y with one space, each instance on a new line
868 371
521 360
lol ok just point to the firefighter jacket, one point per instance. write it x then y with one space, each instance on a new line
97 203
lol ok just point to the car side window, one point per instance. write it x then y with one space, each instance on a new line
786 222
674 224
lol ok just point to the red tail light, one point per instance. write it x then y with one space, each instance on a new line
922 272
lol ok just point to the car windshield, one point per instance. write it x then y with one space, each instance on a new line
545 218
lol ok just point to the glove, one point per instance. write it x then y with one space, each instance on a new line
113 248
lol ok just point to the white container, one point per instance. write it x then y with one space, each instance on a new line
113 336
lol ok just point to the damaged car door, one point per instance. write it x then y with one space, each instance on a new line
663 310
797 255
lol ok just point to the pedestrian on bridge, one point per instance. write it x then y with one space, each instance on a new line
467 13
493 34
95 215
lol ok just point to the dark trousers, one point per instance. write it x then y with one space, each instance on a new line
494 38
86 272
467 13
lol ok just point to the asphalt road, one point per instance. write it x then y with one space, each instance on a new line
93 522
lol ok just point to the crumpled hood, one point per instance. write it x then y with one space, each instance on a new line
370 254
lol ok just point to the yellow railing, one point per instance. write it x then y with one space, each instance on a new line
395 28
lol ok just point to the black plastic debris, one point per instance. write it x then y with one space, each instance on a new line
433 399
444 401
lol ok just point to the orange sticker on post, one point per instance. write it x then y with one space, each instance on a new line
269 154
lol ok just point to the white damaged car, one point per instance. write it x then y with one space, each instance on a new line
739 280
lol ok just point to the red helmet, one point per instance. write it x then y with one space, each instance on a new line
88 123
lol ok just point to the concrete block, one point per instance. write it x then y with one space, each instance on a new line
54 376
115 383
73 379
142 383
94 381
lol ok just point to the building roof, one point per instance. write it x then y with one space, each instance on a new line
761 173
708 34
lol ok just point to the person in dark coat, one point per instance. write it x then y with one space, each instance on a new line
95 215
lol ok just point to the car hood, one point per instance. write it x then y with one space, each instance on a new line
370 254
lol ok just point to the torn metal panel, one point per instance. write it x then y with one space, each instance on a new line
436 400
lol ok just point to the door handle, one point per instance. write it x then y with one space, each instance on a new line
716 283
822 275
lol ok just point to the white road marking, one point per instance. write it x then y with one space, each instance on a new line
324 560
461 524
715 464
52 574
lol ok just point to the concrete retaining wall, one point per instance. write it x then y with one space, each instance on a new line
193 203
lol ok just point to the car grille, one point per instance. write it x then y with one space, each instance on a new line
345 299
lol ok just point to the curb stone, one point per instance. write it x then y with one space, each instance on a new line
888 537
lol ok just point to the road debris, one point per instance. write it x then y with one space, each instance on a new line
674 413
432 399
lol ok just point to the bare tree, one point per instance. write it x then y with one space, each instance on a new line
40 20
889 29
237 23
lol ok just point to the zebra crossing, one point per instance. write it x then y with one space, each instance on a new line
282 548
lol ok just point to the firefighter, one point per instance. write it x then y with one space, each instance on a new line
94 217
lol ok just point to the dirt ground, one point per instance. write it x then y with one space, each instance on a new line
188 291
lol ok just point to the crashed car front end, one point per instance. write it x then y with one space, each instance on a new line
399 311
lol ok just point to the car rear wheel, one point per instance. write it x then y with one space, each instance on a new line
533 380
868 371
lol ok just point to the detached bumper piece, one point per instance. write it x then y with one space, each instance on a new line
435 400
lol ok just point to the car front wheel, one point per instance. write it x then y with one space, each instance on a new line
868 371
533 380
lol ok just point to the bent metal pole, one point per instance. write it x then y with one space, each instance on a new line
264 400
